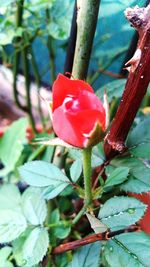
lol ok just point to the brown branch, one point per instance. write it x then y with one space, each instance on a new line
91 239
136 86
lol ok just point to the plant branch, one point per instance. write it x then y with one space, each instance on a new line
86 25
87 172
38 83
27 86
72 42
19 19
136 86
51 51
91 239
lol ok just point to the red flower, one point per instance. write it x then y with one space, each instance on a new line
78 115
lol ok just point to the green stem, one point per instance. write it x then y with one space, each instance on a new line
86 25
87 172
27 85
19 19
38 83
79 215
63 223
51 51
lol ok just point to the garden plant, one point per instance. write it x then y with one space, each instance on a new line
75 194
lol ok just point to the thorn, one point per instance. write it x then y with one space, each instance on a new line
134 61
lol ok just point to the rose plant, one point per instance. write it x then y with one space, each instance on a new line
93 207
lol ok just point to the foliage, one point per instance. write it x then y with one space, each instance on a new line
42 191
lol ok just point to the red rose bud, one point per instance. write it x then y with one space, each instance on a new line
78 115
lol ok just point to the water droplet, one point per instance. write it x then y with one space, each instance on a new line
135 257
142 77
111 249
29 56
24 262
131 210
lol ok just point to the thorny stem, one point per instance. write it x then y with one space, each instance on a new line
87 173
86 25
136 86
91 239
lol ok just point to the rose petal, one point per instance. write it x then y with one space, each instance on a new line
63 87
74 128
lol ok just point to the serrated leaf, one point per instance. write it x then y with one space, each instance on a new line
12 225
87 256
135 186
120 212
35 247
141 151
138 168
13 138
39 173
10 197
96 224
140 134
129 249
17 246
118 176
76 170
34 207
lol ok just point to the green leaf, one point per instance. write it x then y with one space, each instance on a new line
34 206
61 231
14 138
17 246
4 254
120 212
118 176
8 264
52 191
141 151
12 225
138 169
135 186
140 134
96 224
76 170
130 249
87 256
10 197
35 247
6 3
114 88
40 173
59 26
